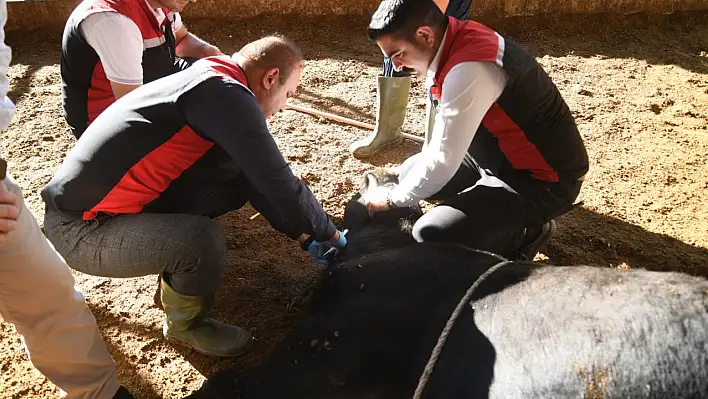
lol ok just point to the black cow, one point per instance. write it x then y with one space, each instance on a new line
531 330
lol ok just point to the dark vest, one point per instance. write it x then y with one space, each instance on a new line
529 131
86 92
141 149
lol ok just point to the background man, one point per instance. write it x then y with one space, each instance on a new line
111 47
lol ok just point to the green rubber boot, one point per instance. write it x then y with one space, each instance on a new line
186 323
392 100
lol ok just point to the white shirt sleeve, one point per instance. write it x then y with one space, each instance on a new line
177 22
119 44
470 89
7 108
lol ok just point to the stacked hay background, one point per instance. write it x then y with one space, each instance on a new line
52 13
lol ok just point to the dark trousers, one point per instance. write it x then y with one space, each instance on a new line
459 9
482 211
184 242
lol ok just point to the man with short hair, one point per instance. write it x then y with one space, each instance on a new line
137 194
111 47
37 292
393 88
503 155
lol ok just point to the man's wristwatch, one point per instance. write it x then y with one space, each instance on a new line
3 169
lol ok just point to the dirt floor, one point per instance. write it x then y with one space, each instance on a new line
637 86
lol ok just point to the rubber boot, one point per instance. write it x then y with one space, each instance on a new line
187 324
392 100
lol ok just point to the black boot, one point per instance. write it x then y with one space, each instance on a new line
535 240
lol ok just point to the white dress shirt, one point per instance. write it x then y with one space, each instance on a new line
469 90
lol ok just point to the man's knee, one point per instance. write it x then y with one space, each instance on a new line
425 232
435 225
199 272
207 246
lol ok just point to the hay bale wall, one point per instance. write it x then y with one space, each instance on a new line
28 14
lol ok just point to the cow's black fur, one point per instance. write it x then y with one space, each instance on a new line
533 331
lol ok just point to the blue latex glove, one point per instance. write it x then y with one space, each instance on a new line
318 249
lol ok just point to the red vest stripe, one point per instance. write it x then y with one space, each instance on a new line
522 154
147 179
488 46
469 41
137 10
144 182
100 94
226 66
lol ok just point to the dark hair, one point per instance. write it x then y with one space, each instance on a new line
274 51
402 18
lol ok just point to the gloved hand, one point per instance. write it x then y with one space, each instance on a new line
319 250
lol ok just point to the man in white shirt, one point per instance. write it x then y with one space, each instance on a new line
111 47
37 291
502 153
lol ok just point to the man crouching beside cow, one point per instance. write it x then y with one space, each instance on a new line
503 154
138 193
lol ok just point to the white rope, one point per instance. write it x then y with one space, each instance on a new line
451 322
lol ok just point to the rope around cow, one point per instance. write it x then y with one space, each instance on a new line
425 377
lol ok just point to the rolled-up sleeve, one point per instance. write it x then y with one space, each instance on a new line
468 92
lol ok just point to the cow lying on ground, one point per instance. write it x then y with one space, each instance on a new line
531 331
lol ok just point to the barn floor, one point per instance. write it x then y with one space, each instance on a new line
638 88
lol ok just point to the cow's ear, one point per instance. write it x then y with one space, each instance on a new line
356 215
371 181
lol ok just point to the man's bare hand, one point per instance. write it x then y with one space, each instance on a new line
9 212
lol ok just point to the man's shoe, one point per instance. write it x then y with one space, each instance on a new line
392 100
186 323
536 240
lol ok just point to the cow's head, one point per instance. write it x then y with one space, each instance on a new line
390 228
374 318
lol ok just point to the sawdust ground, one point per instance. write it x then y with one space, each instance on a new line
638 87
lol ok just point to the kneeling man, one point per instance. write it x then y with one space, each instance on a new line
137 194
